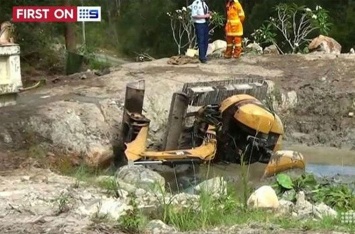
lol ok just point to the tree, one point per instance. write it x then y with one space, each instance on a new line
144 27
70 38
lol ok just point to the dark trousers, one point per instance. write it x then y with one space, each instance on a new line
202 39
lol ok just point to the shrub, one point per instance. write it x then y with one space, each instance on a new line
295 24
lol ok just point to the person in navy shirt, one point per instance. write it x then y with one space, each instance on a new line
200 15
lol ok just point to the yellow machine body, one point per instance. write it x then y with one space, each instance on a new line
242 110
283 160
136 150
253 114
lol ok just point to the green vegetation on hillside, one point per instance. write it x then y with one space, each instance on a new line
130 28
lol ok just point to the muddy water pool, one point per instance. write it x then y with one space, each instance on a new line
327 161
321 161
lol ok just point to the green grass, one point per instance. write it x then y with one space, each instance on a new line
103 179
97 64
226 211
229 211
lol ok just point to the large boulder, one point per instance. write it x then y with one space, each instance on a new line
211 47
215 187
272 49
220 47
76 128
219 44
263 197
325 44
110 208
304 208
136 176
216 49
254 48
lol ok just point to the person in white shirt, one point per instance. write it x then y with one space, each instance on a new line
200 15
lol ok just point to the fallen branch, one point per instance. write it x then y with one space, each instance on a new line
31 87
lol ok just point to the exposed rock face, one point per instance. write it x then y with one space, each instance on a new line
79 128
325 44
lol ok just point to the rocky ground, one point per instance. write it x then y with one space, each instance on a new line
40 201
79 116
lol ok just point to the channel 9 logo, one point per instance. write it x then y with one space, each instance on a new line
89 14
347 217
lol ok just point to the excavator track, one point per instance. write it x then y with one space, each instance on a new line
214 92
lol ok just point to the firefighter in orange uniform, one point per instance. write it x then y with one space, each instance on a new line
234 29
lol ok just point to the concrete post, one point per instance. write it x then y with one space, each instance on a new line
10 74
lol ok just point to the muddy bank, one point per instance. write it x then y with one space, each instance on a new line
325 99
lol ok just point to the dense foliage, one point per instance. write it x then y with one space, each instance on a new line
338 196
143 26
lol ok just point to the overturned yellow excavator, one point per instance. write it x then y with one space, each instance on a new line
230 124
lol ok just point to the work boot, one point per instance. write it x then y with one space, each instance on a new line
237 52
228 53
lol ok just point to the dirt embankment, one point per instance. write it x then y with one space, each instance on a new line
325 88
82 113
326 98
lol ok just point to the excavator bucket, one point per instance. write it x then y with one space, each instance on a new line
136 148
284 160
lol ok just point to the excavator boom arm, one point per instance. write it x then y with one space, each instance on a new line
136 150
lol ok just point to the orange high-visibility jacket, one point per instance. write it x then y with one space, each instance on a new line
235 19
